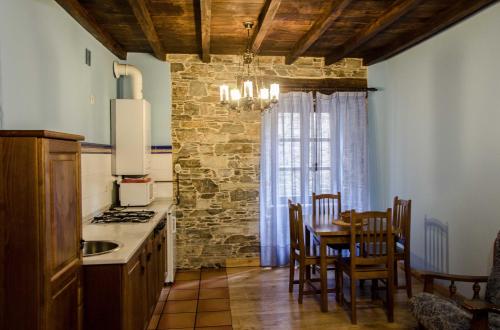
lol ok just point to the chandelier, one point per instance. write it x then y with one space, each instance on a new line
250 92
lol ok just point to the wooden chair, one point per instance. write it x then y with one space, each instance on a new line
401 220
326 207
370 259
299 254
434 312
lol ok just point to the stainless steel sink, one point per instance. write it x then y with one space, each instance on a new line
93 248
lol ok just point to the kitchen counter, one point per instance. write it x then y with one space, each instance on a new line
130 236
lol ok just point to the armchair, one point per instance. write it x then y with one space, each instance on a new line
454 312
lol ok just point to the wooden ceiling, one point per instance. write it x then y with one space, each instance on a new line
370 29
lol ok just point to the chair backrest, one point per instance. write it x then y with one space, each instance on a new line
401 221
326 207
373 231
296 227
493 286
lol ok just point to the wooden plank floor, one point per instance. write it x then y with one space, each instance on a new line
259 299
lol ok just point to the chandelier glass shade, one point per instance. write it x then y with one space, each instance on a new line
251 91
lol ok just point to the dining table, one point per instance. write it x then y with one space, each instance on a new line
334 231
327 232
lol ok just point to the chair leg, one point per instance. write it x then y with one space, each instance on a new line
375 289
340 290
291 278
301 281
354 319
337 282
396 273
390 300
315 248
408 276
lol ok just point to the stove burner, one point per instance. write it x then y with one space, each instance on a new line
119 215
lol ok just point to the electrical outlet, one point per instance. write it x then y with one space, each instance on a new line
92 99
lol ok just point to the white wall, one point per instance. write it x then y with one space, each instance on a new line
435 137
44 81
157 90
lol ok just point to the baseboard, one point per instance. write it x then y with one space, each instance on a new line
243 262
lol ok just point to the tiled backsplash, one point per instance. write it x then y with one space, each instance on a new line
97 181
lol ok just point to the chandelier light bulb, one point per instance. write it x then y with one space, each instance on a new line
235 95
248 89
275 92
264 94
224 93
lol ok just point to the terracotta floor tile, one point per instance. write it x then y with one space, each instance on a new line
177 321
187 275
186 285
164 294
217 293
213 319
214 283
180 306
183 295
213 305
208 274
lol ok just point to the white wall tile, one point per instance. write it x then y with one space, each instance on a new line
163 189
97 183
161 167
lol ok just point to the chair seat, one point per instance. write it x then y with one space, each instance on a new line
346 262
438 313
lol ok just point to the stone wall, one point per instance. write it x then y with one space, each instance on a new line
218 149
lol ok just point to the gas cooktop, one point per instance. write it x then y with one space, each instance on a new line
120 215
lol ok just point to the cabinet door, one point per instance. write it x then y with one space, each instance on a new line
61 198
152 265
136 303
162 248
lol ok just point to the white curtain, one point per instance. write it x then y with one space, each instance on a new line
341 148
284 171
304 149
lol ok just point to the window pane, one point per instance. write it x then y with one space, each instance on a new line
324 181
289 153
289 125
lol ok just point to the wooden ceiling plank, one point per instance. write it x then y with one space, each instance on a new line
456 13
329 15
266 18
81 15
390 16
206 19
143 17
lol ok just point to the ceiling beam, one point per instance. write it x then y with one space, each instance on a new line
397 10
266 18
330 13
81 15
143 17
452 15
206 18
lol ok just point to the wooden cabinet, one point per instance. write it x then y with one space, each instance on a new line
40 230
123 296
136 303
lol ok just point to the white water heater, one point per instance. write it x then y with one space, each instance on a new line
131 136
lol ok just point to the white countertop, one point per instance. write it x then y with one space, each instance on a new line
130 236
